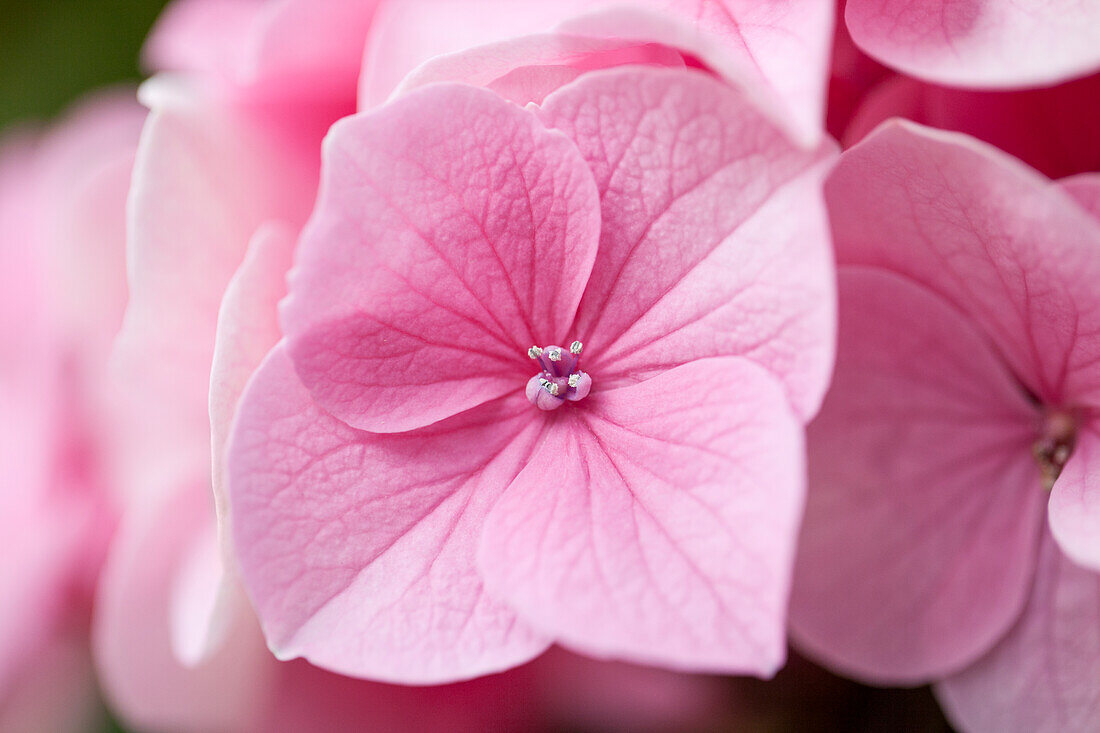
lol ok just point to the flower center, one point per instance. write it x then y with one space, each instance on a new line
1054 446
560 379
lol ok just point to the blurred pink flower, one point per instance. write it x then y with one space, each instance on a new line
980 43
386 461
953 518
62 198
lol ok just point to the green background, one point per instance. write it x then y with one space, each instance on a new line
52 51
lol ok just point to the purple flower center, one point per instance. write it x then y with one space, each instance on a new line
560 379
1055 444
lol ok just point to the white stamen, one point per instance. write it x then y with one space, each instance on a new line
549 386
574 379
534 352
554 354
575 347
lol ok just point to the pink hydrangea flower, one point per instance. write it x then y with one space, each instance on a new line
980 43
62 195
230 156
225 176
400 508
953 519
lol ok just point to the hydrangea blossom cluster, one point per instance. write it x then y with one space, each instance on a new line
467 519
457 330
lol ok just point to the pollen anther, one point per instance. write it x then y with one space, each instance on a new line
560 378
1055 444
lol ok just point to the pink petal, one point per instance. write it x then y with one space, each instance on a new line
138 670
248 328
657 525
1052 129
406 34
1075 501
778 52
201 35
925 505
357 548
302 48
1042 677
714 236
528 68
206 178
1085 189
264 50
980 43
453 232
1005 246
205 600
